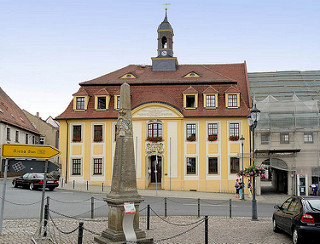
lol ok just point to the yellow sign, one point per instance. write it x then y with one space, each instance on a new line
28 151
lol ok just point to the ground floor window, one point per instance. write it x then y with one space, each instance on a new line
97 166
76 166
191 166
213 165
234 165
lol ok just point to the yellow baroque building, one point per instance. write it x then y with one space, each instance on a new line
187 122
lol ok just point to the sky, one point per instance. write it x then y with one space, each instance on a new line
47 47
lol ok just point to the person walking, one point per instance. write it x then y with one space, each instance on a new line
241 186
250 188
237 186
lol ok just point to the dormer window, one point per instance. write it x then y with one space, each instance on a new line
116 101
102 104
232 100
190 98
80 102
190 101
192 75
128 76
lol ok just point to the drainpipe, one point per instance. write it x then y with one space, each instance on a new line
67 152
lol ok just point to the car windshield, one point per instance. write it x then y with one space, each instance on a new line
314 204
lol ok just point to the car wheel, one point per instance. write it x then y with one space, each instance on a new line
31 186
275 226
14 183
51 188
296 237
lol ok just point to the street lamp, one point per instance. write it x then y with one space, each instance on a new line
242 139
253 121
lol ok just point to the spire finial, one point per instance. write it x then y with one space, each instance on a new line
166 9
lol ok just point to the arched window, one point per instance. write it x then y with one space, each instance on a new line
164 42
155 130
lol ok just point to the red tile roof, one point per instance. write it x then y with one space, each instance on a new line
190 90
12 115
168 87
210 89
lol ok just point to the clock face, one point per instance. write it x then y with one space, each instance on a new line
164 53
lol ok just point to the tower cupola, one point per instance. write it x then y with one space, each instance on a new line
165 60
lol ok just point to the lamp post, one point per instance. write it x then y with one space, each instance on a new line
242 139
253 121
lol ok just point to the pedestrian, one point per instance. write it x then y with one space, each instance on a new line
315 190
250 188
237 186
241 186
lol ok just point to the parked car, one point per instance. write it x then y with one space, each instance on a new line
299 216
34 181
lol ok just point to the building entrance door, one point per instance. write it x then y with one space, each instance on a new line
156 166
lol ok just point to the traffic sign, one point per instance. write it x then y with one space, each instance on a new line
28 151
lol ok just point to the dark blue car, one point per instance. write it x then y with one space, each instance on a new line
299 217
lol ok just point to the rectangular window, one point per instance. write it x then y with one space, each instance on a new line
76 136
27 139
191 132
42 141
190 101
97 166
80 103
33 140
17 136
212 131
76 166
232 100
265 137
234 131
191 166
234 165
97 131
308 137
102 103
284 138
210 100
155 130
213 165
118 102
8 134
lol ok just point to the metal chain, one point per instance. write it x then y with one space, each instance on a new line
175 223
20 204
176 201
63 232
92 232
180 234
143 209
214 203
88 220
70 202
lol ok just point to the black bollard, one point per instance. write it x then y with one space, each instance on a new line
230 209
198 207
80 233
46 217
206 239
165 207
102 186
148 217
48 201
92 207
87 185
73 182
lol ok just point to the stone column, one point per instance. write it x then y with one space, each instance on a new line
124 185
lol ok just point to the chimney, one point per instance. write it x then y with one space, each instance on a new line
37 114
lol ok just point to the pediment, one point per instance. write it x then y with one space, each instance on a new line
155 112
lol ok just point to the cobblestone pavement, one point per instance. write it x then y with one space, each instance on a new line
221 230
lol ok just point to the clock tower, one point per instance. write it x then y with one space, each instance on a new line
165 60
